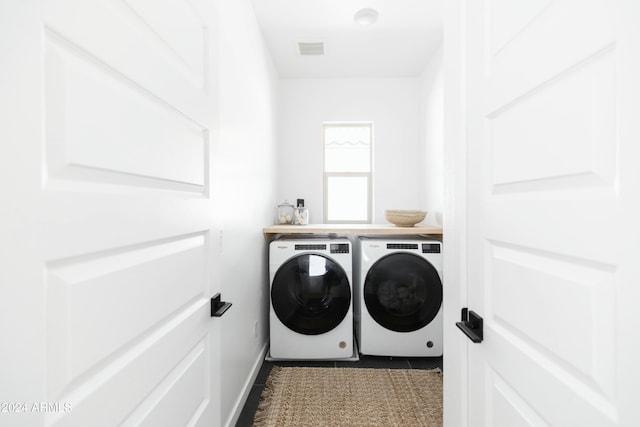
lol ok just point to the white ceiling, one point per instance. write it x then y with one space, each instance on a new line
399 44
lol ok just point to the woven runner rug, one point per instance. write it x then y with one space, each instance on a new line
342 397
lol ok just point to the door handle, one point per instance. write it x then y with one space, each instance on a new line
218 307
471 325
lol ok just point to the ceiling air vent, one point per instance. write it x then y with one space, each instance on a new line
311 48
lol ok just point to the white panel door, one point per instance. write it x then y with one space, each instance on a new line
107 246
553 208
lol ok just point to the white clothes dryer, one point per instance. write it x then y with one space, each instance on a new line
311 311
399 297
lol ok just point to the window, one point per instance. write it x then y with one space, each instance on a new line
347 172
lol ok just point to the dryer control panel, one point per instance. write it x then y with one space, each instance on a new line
427 248
430 248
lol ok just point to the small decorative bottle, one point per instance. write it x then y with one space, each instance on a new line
284 214
301 214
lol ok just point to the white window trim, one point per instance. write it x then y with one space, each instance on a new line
368 175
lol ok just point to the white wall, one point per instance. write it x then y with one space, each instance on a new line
432 119
394 107
246 153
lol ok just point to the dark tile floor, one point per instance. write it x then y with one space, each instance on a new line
246 417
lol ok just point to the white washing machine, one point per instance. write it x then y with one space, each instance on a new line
311 311
399 297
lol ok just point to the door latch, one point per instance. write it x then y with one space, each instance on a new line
218 307
471 325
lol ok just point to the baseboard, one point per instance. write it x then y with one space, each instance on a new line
242 399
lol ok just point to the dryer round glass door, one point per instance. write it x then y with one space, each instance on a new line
311 294
402 292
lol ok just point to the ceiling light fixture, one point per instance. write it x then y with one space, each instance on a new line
366 16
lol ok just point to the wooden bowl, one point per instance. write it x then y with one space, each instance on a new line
404 218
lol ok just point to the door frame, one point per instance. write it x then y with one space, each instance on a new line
455 395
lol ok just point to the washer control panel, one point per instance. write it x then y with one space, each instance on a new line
339 248
311 247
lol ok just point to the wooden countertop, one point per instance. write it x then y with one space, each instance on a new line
350 228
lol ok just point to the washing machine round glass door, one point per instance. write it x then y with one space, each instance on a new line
402 292
311 294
